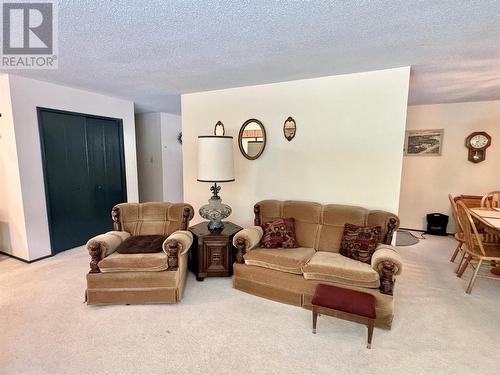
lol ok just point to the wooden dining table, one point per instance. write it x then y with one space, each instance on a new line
490 220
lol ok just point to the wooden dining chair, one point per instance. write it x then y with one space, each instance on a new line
469 201
459 234
475 248
490 200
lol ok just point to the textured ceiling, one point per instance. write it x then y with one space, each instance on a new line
152 51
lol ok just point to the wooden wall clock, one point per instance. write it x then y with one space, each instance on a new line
477 143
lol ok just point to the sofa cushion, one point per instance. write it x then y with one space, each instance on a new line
307 218
334 218
142 244
359 243
336 268
134 262
286 260
279 233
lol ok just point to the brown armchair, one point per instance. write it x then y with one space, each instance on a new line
116 278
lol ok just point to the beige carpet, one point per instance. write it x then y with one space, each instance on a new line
46 329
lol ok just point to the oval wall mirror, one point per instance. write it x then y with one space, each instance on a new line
289 128
252 139
219 129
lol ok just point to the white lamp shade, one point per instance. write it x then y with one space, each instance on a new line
215 159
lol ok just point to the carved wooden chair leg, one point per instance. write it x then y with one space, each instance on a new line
460 262
464 265
456 252
474 277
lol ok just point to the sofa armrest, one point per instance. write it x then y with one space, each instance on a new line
101 246
388 263
389 223
177 244
246 240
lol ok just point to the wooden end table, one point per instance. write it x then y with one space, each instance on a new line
212 254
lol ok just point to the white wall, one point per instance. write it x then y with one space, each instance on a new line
427 181
12 227
26 95
348 148
172 158
159 157
149 156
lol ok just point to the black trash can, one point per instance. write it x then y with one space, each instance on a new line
436 224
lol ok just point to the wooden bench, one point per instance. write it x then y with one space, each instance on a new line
344 304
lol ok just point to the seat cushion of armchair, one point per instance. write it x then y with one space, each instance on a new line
117 262
286 260
151 243
336 268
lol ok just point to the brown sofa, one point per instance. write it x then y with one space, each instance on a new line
291 275
141 278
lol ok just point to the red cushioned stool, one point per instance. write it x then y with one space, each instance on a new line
345 304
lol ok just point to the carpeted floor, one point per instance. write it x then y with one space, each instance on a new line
45 328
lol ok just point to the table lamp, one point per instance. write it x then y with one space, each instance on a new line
215 165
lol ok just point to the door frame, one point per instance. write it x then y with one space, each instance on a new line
118 121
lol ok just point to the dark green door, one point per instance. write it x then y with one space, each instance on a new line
84 174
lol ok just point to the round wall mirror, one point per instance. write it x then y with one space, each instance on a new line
252 139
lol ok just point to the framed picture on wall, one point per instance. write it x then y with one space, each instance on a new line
424 142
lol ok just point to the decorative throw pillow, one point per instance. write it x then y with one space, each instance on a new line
279 233
142 244
359 243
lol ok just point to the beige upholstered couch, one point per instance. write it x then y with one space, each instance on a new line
141 278
291 275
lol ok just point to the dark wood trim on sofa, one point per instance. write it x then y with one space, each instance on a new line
391 228
115 215
185 218
241 250
173 255
387 279
95 253
256 212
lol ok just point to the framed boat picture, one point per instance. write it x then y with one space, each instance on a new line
424 142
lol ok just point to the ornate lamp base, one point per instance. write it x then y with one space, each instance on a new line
215 211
